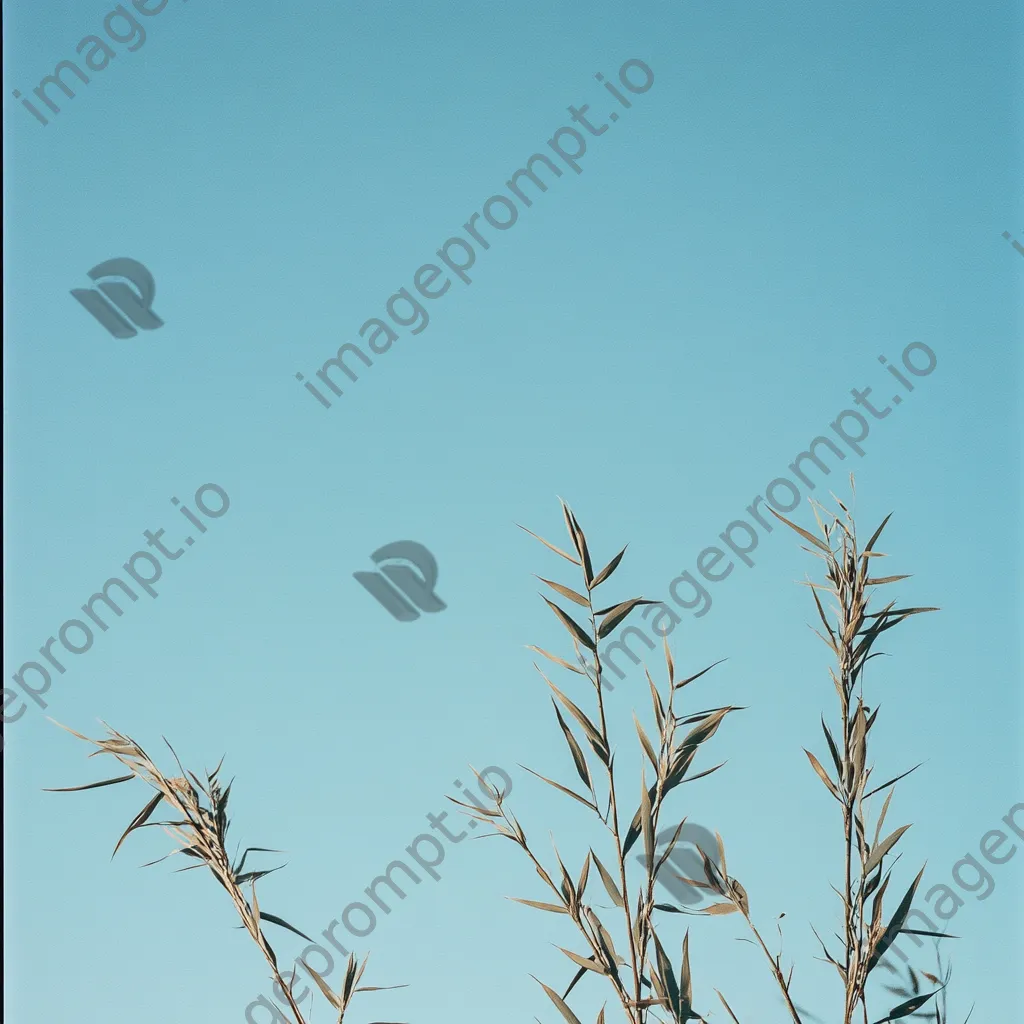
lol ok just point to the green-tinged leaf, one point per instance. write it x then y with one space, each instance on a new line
610 887
281 923
571 625
888 937
547 544
934 935
560 1004
608 569
566 592
582 768
91 785
557 660
551 907
561 788
882 849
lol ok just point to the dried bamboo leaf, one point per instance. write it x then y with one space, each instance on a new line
823 775
882 849
548 544
607 570
551 907
888 937
90 785
282 923
728 1008
610 886
560 1004
571 625
565 592
617 613
140 819
582 768
557 660
561 788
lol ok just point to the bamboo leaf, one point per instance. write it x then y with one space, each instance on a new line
281 923
908 1007
809 537
551 907
645 742
547 544
888 937
582 768
331 997
618 613
608 569
560 787
565 592
560 1004
728 1008
882 849
91 785
557 660
686 682
878 789
140 819
588 963
610 887
571 625
823 775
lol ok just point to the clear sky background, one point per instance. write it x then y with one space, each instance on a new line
805 187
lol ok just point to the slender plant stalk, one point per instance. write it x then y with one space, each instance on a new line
199 826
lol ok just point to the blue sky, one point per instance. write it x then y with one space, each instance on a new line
804 187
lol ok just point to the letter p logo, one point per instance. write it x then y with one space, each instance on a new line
131 304
400 589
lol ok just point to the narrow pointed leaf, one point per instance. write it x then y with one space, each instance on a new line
571 625
91 785
608 569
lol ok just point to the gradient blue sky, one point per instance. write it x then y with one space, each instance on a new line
805 187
